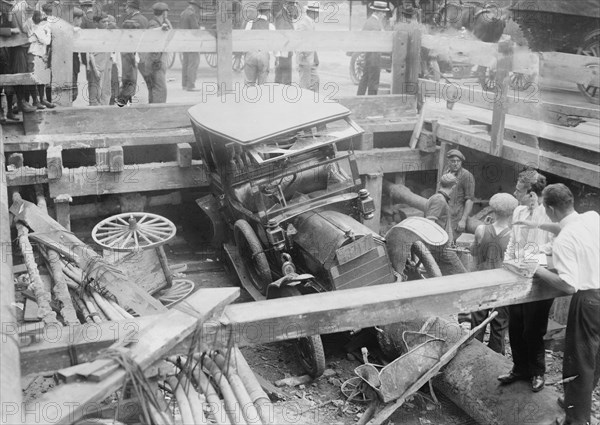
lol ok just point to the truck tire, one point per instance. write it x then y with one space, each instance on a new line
312 355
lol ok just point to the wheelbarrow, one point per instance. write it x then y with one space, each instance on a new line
393 380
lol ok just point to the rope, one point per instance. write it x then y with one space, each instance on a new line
95 270
134 375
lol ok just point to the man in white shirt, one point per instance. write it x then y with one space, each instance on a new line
528 322
256 66
576 253
308 61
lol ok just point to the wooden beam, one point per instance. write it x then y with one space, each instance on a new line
224 45
288 318
62 62
413 61
184 154
505 51
85 181
373 183
394 160
116 161
151 345
25 79
399 54
579 69
180 40
10 369
54 163
547 161
14 40
62 205
380 107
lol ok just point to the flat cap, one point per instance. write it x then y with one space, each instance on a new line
160 6
86 2
77 12
448 180
134 4
456 153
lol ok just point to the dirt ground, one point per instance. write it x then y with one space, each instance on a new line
321 401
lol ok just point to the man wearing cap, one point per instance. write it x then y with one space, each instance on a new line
369 81
437 209
256 66
284 20
87 22
153 66
308 61
190 19
133 20
461 201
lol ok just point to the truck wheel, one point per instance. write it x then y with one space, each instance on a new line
357 67
252 255
312 355
422 265
591 48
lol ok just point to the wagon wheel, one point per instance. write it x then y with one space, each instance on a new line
312 355
133 231
253 257
237 62
421 265
487 78
357 67
181 289
591 48
170 59
356 390
520 81
211 59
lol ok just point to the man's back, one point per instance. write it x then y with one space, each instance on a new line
189 19
576 250
373 24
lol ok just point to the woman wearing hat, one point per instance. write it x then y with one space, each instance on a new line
369 82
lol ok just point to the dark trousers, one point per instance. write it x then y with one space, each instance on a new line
156 80
447 260
189 70
128 77
369 82
582 355
283 71
527 326
498 327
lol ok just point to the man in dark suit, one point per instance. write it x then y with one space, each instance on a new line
153 66
133 20
369 82
190 20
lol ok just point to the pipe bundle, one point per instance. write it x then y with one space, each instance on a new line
222 387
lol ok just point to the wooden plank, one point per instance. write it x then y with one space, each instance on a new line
224 46
25 79
393 160
54 165
460 49
14 40
180 40
153 344
62 61
380 107
399 54
413 61
373 183
184 154
10 370
578 69
48 232
85 181
62 206
116 160
505 51
24 176
546 161
277 320
414 138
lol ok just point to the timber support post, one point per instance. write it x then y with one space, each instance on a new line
373 183
399 58
224 46
505 59
10 366
62 63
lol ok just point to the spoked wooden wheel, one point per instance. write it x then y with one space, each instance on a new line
133 231
520 81
211 59
181 288
591 91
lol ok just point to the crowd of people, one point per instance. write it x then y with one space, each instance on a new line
537 222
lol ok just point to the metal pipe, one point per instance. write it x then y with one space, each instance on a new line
231 403
245 401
